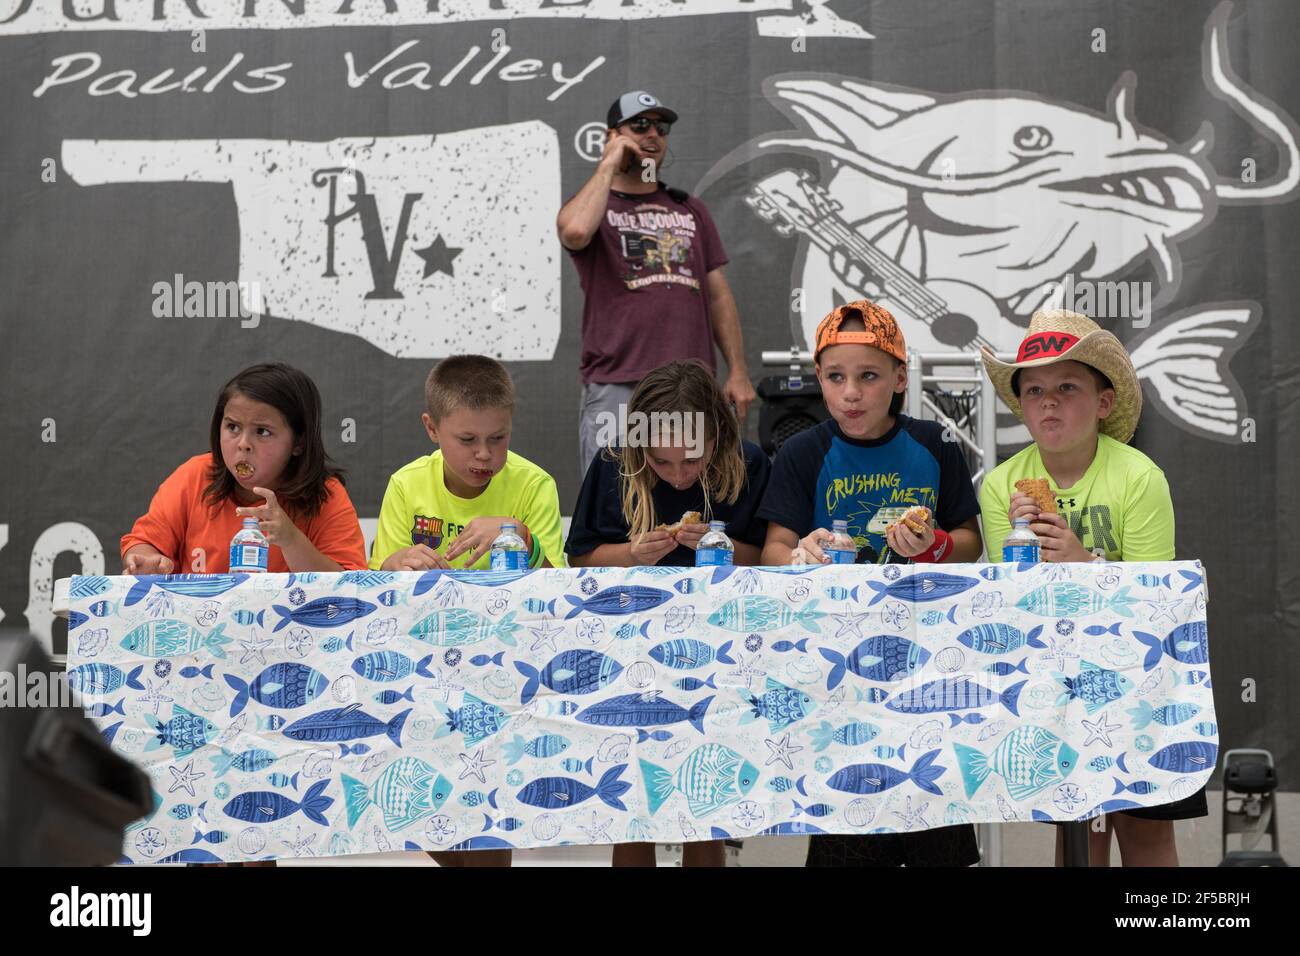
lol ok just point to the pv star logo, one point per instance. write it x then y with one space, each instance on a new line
398 240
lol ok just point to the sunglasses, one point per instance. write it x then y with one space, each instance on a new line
642 125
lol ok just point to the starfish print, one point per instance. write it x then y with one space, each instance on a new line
184 779
299 844
912 817
156 696
1060 651
474 766
1164 606
780 751
253 649
850 623
598 830
748 670
1099 730
545 636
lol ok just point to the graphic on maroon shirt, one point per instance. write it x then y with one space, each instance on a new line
654 240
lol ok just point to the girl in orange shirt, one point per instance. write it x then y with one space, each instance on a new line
268 462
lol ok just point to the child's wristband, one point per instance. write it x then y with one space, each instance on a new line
938 551
535 556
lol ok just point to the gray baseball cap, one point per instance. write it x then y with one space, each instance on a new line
630 105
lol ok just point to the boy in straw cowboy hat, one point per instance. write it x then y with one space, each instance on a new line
1075 388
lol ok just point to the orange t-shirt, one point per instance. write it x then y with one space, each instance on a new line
179 522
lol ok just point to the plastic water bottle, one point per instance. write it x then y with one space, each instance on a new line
508 551
249 549
1021 545
841 549
715 548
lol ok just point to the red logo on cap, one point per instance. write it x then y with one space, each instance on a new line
1044 344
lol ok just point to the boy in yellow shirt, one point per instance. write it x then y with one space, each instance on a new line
1077 392
451 504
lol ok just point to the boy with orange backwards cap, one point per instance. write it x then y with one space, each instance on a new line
1075 388
867 465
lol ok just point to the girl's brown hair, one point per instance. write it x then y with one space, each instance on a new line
295 396
686 388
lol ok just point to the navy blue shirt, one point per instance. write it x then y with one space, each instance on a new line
598 515
821 474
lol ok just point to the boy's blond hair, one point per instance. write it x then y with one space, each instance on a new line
467 381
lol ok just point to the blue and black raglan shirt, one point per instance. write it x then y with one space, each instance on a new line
821 475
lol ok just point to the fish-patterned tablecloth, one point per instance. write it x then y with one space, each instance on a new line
293 715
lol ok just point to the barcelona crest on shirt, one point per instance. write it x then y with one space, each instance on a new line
427 531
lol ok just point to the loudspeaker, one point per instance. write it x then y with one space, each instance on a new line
65 796
791 403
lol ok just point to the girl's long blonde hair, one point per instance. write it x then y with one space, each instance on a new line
684 387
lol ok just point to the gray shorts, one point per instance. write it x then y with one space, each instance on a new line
597 397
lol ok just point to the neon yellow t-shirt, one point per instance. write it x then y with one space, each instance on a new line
1121 504
418 508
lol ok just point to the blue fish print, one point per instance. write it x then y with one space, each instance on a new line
643 710
1095 686
407 791
688 654
345 723
574 765
1140 787
368 579
757 612
1102 764
476 719
190 585
171 638
660 736
694 683
265 806
1096 630
484 579
324 612
96 680
103 710
475 798
624 599
1003 669
884 658
1187 644
389 697
284 686
384 667
249 761
335 644
88 586
878 777
1029 759
926 586
780 705
711 777
560 793
1169 715
999 638
192 672
246 617
784 647
1067 599
953 693
185 732
851 735
1192 756
785 785
570 672
482 660
816 810
547 745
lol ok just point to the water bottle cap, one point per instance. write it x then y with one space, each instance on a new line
250 522
840 524
717 525
507 526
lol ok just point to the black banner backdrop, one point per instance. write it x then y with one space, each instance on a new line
360 188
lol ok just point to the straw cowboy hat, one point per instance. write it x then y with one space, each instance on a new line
1058 335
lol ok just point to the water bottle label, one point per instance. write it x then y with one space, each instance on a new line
248 558
712 557
509 561
1020 554
842 557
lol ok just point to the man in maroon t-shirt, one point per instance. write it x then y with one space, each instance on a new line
650 262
